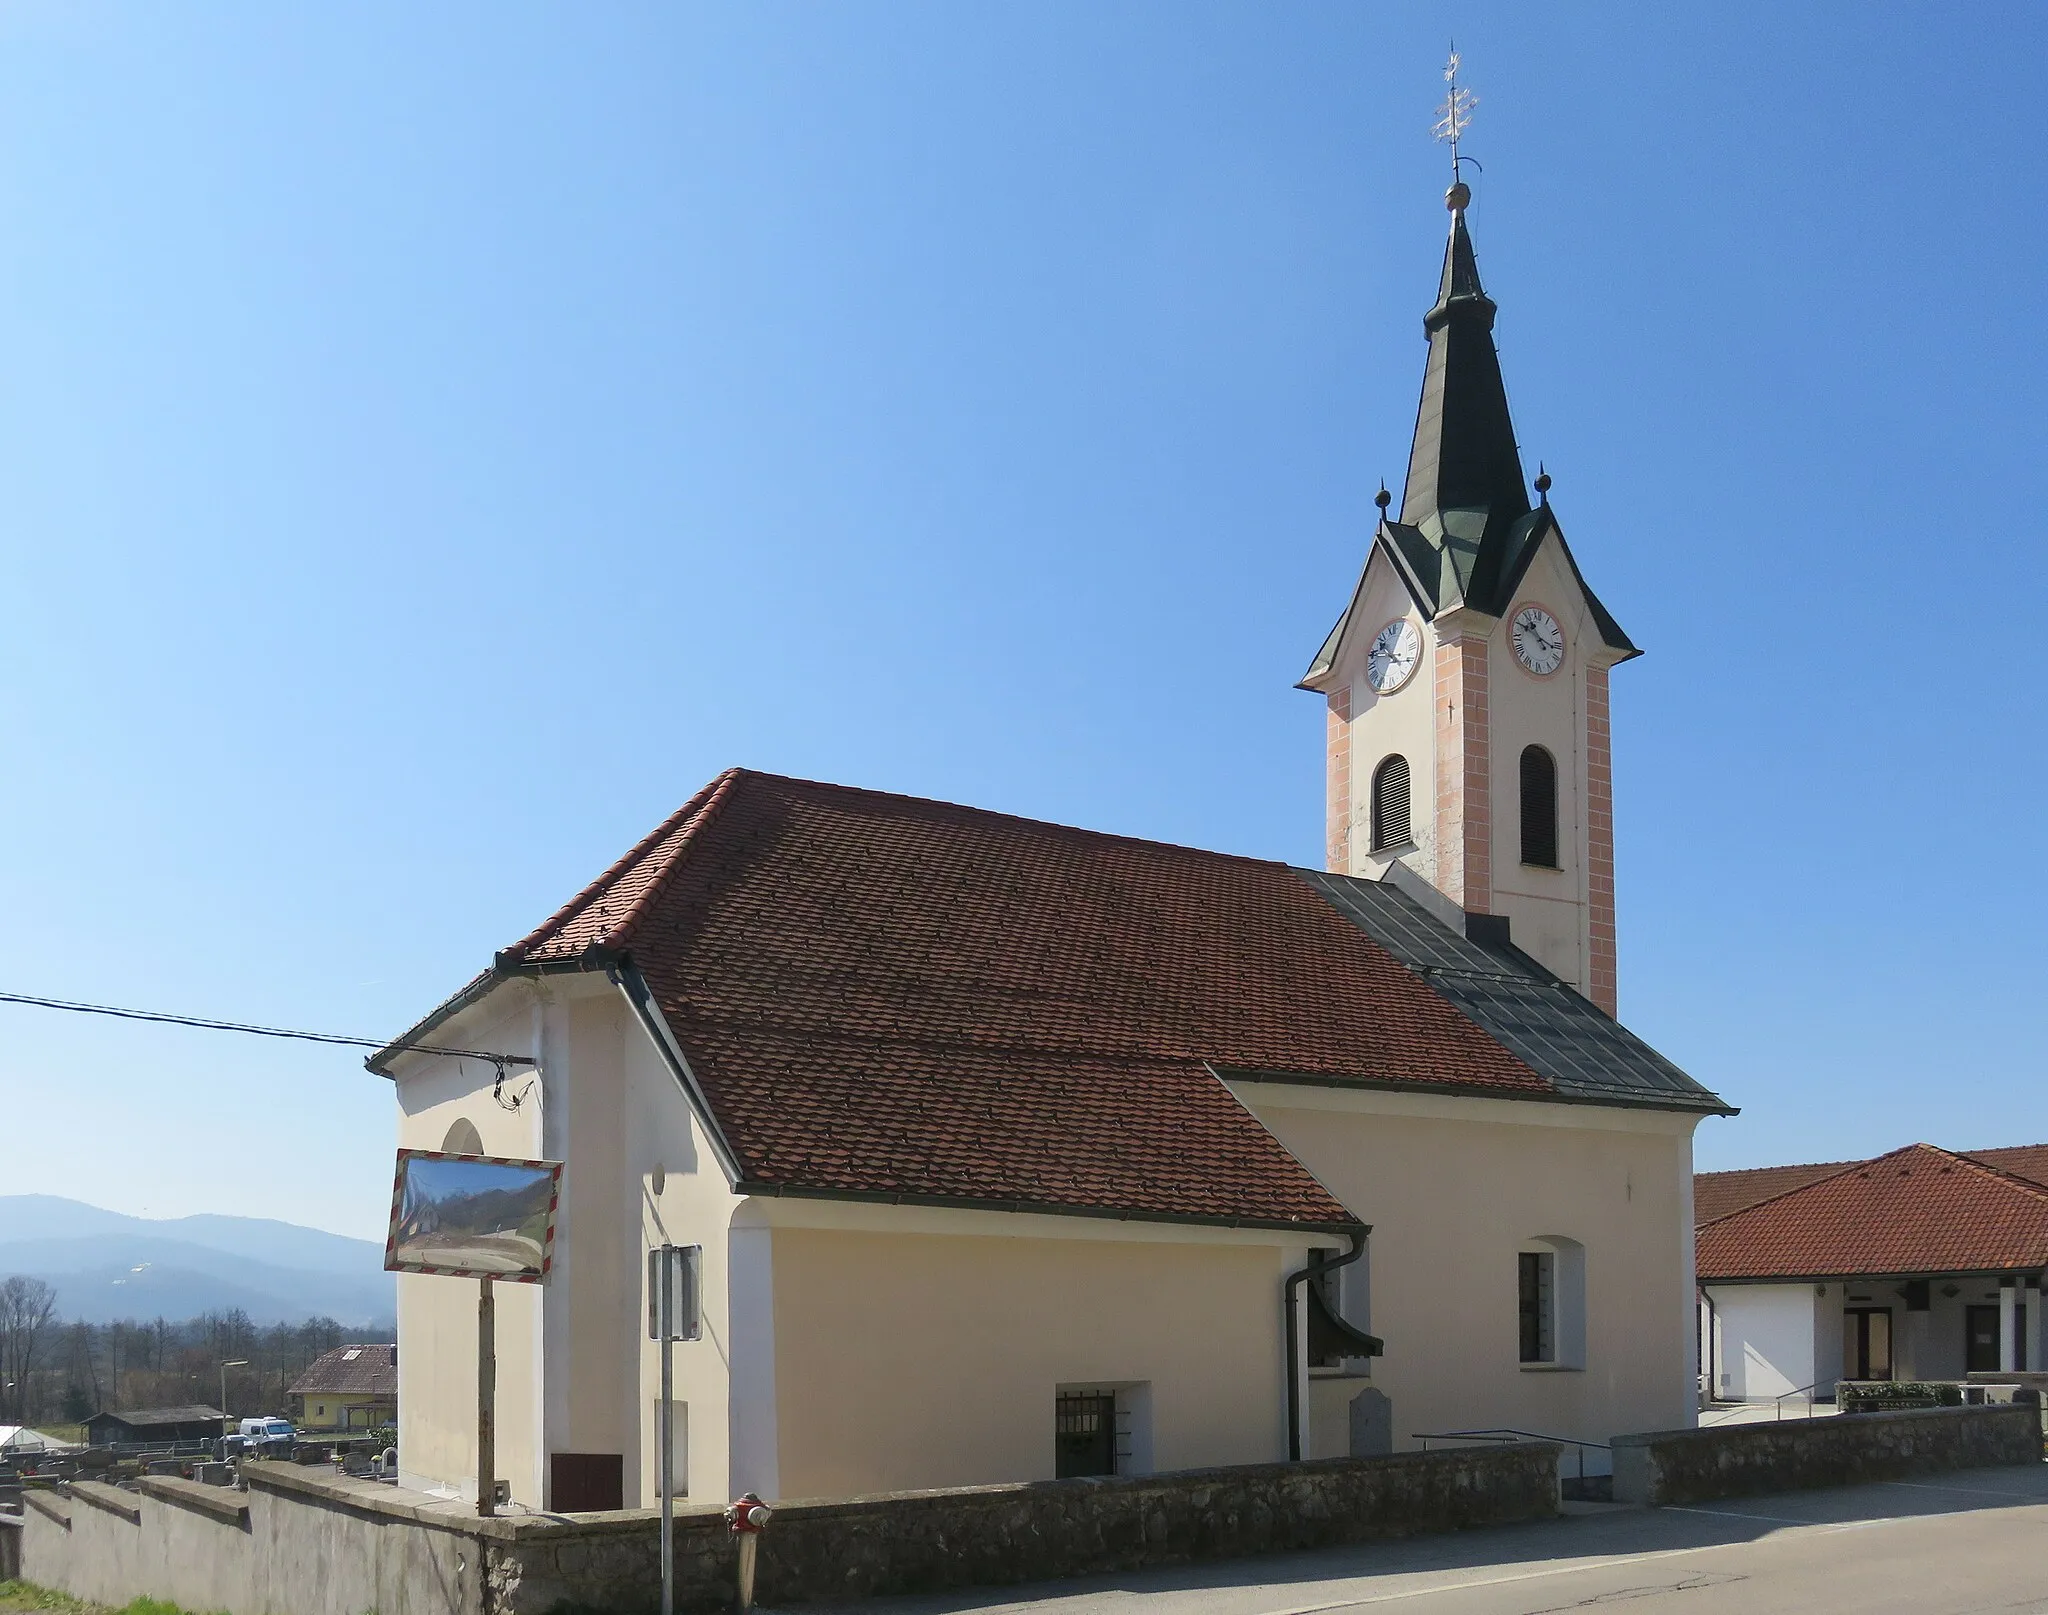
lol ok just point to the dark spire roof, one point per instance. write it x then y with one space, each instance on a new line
1464 457
1467 531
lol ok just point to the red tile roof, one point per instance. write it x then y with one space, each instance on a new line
1919 1210
359 1370
1715 1194
884 995
2029 1161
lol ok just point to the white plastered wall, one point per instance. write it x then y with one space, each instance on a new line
592 1106
1767 1341
1454 1187
437 1317
695 1207
926 1358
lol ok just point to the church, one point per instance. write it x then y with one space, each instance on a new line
1016 1151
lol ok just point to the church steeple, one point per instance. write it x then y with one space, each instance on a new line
1464 455
1467 749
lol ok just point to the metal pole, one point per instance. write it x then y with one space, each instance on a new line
668 1434
486 1398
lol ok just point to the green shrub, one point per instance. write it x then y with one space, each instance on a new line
1890 1395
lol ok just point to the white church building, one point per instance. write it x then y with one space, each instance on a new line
1016 1150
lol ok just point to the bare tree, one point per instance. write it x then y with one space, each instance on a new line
27 1307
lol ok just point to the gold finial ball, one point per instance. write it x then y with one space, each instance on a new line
1458 197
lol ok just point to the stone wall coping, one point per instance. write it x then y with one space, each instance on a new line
274 1476
1165 1479
223 1504
45 1503
1754 1432
109 1498
392 1503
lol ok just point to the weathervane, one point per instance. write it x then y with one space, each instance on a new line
1453 117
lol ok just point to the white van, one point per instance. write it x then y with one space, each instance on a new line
268 1428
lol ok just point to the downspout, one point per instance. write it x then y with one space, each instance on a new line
1290 1312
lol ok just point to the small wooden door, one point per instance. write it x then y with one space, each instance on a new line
1980 1340
586 1482
1867 1343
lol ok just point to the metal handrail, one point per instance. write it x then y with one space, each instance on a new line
1503 1433
1803 1390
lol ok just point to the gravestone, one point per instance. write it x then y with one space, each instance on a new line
1372 1424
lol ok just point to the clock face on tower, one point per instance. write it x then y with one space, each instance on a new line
1538 641
1396 649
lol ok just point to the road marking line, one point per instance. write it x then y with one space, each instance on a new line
1585 1566
1577 1567
1973 1491
1731 1514
1572 1568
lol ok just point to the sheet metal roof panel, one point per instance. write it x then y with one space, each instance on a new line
1545 1023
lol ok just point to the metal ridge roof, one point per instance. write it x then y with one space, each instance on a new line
1546 1023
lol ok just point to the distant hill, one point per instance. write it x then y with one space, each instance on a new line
105 1265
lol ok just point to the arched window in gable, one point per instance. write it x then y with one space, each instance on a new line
1390 803
463 1138
1539 808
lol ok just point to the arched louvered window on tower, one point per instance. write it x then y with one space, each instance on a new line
1390 803
1539 807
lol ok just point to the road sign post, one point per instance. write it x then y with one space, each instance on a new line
673 1273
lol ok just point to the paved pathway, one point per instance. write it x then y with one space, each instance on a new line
1951 1544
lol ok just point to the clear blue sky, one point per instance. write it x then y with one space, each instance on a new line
435 439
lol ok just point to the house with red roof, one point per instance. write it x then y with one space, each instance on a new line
1923 1264
1013 1150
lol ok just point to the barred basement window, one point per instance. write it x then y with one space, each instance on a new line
1088 1438
1390 804
1539 807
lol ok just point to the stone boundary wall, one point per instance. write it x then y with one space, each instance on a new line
1695 1466
301 1543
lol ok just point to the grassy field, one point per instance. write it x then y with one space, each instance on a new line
21 1597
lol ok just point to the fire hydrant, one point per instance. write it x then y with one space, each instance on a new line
746 1517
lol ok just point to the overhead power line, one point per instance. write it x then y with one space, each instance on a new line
501 1061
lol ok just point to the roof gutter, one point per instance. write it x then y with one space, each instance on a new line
1469 1090
625 975
1041 1208
504 968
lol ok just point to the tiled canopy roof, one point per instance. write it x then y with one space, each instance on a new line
366 1370
2029 1161
885 996
1715 1194
1917 1210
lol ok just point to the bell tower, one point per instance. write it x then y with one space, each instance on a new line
1466 681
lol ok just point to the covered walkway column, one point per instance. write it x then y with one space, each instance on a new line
2008 1326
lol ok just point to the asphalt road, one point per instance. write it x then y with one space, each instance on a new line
1976 1541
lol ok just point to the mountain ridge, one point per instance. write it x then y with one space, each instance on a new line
108 1265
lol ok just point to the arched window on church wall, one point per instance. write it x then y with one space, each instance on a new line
1539 807
1390 803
